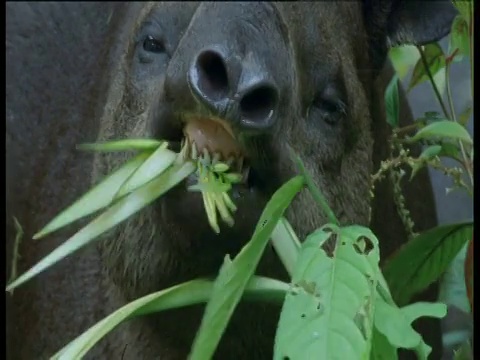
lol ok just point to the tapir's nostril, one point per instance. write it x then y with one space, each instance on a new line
258 104
210 75
252 101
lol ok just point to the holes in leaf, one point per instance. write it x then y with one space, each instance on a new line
369 279
363 245
309 287
329 245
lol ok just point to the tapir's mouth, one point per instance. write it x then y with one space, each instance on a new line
212 140
202 137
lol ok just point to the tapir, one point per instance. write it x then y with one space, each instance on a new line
307 76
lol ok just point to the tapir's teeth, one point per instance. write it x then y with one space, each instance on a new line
206 155
194 151
190 150
216 158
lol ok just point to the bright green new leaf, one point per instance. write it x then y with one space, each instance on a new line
459 39
435 59
220 167
396 324
443 129
329 312
95 199
156 164
403 58
421 261
391 102
431 151
123 145
440 80
189 293
233 177
234 275
114 215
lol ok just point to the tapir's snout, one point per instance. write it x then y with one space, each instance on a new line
232 71
242 87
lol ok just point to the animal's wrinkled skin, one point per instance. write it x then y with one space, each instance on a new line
308 75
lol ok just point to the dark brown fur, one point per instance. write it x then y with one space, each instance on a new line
98 86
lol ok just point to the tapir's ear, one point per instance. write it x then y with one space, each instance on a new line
399 22
419 22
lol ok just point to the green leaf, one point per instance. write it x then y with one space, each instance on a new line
395 324
233 177
391 102
189 293
403 58
465 115
381 348
440 80
431 151
452 288
123 145
427 154
443 129
234 275
328 314
95 199
156 164
421 261
431 116
286 244
465 8
450 150
435 59
459 39
114 215
220 167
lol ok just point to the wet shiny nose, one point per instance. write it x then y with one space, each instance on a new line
245 86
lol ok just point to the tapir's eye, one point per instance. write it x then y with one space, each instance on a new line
330 105
153 45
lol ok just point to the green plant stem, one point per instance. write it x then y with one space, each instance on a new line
16 247
432 81
316 194
444 108
407 129
466 162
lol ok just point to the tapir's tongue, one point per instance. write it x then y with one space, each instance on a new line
215 137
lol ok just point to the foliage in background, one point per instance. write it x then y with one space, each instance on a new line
430 255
